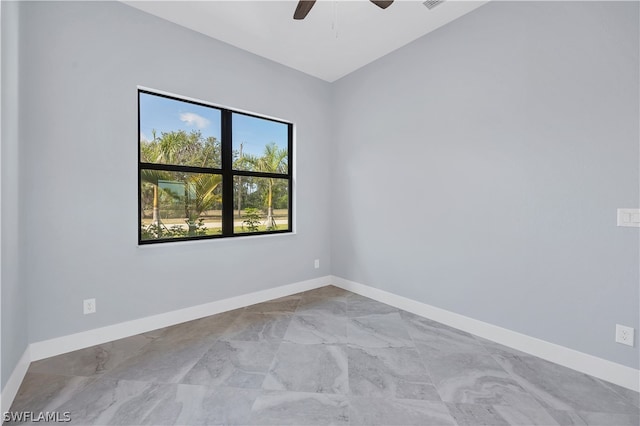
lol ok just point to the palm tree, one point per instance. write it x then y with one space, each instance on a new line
152 153
203 186
199 189
274 160
153 177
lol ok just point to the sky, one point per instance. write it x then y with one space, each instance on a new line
164 115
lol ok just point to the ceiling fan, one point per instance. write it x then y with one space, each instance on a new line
304 6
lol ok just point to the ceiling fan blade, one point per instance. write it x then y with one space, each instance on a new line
303 8
382 4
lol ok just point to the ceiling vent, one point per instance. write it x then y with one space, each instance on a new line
430 4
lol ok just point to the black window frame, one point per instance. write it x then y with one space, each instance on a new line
226 171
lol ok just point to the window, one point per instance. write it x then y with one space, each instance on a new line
208 172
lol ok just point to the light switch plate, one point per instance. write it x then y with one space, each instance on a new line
629 217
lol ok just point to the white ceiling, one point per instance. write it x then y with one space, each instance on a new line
336 38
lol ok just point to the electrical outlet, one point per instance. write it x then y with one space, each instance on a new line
624 335
316 264
89 306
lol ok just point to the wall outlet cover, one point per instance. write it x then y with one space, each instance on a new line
624 335
89 306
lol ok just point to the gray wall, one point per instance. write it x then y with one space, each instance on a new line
81 63
479 169
13 295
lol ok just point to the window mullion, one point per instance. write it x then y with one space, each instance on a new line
227 174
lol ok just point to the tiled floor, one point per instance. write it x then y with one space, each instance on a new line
321 357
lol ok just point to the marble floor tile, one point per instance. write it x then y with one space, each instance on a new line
565 418
169 357
283 305
476 379
123 402
233 363
317 328
610 419
389 372
207 328
388 411
525 415
498 349
359 305
299 408
326 292
99 400
219 406
476 415
257 327
627 394
94 360
433 338
45 392
309 368
378 331
322 305
562 388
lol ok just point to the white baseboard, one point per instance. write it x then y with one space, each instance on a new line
72 342
15 380
598 367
